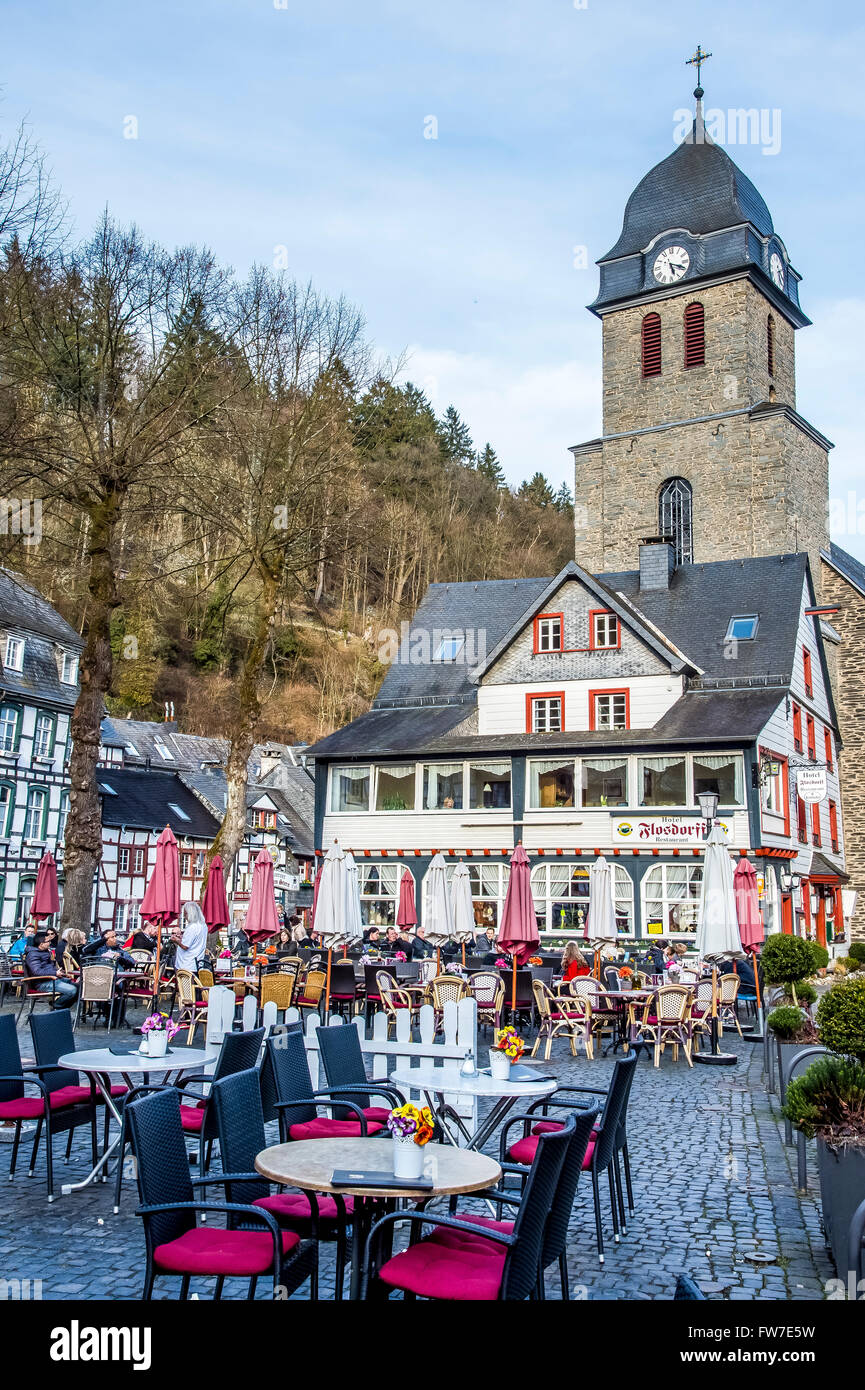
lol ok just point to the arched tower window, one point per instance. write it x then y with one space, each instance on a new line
770 345
651 328
695 336
675 506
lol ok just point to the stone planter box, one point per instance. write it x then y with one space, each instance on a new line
842 1189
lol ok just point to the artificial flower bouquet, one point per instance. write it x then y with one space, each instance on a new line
510 1043
409 1122
156 1033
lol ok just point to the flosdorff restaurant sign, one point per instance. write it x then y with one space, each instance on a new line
811 783
664 830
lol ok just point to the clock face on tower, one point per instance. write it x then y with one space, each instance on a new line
670 265
776 270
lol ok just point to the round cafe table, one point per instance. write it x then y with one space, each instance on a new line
436 1085
310 1163
135 1068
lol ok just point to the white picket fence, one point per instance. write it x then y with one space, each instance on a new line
447 1053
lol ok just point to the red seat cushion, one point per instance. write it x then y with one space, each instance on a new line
547 1127
293 1209
463 1270
447 1234
379 1114
524 1150
70 1095
27 1108
314 1003
207 1250
192 1118
324 1128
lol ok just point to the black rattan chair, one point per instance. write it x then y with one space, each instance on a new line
287 1092
459 1261
342 1058
175 1245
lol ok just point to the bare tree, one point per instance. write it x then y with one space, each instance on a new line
31 209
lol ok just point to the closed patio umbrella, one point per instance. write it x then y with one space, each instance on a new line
353 928
600 929
161 901
463 907
46 895
518 929
262 919
215 902
717 925
406 913
334 910
748 913
439 915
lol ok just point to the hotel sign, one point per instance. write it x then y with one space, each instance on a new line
669 831
811 783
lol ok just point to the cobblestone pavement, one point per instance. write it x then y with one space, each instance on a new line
714 1187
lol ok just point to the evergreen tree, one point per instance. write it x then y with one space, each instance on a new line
455 437
537 491
489 467
564 501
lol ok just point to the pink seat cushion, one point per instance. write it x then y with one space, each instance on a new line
293 1208
191 1118
206 1250
547 1127
465 1270
524 1150
27 1108
71 1095
448 1235
379 1114
324 1128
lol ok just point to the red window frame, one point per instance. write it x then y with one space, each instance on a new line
816 832
809 679
543 695
606 613
622 690
830 751
545 651
269 822
121 851
833 826
801 821
140 850
812 737
785 786
797 728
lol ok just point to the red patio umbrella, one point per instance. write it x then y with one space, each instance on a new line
46 897
748 914
262 919
518 929
406 914
215 903
161 901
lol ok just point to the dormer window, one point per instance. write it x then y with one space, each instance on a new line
14 657
163 750
449 648
263 819
68 668
605 631
742 628
548 632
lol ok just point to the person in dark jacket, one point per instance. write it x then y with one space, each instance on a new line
39 960
420 948
106 950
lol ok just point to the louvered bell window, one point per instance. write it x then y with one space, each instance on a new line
695 336
652 345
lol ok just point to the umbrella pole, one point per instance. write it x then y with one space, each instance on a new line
156 972
464 955
756 981
714 1010
327 984
438 960
514 986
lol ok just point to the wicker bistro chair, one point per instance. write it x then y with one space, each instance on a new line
312 991
41 1093
445 989
240 1124
488 989
96 985
141 957
371 992
667 1019
287 1093
701 1010
558 1013
191 1009
277 989
457 1260
252 1247
395 1000
728 989
609 1139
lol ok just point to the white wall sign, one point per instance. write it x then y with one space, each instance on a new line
663 830
811 783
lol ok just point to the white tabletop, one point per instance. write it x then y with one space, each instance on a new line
102 1059
433 1078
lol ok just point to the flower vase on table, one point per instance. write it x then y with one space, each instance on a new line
156 1033
507 1049
411 1130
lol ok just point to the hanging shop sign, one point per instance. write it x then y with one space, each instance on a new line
669 831
811 783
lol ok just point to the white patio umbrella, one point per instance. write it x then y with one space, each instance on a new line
718 924
333 911
353 927
463 907
600 929
439 916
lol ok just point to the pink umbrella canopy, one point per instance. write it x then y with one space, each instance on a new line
406 915
748 905
215 904
46 897
262 919
161 901
518 929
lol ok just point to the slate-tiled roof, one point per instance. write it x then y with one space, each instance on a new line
847 566
188 750
141 800
209 785
24 611
393 731
698 188
22 606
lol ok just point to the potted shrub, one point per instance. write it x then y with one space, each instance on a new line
828 1103
792 1029
786 961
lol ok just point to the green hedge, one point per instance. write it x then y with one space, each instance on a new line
841 1018
829 1098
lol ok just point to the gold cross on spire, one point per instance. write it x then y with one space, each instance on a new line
697 61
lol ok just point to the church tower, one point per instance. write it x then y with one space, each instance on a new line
701 441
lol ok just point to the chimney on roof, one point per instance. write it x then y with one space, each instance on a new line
657 562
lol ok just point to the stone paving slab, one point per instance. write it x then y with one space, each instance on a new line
714 1190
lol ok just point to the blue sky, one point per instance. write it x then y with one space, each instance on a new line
303 127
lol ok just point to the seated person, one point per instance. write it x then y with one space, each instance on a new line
145 938
574 962
18 948
372 939
106 950
420 947
485 945
73 940
39 960
391 943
